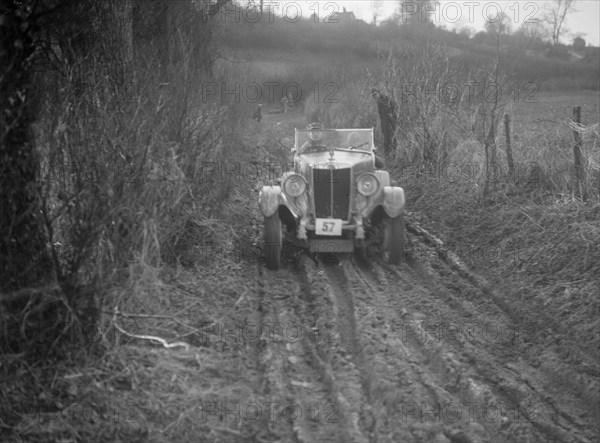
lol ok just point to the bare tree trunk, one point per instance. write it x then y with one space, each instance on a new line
100 45
580 184
22 245
172 17
493 149
491 154
509 155
486 148
120 38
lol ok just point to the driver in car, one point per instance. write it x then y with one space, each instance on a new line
315 134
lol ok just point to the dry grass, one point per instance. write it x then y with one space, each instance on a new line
134 394
136 389
530 235
542 251
559 245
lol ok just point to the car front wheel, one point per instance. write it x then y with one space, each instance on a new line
393 239
273 241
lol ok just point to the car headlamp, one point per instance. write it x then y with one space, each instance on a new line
294 185
367 184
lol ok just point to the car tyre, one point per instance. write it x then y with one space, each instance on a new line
393 239
273 242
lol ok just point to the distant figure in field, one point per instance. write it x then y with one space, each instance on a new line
287 102
388 115
257 114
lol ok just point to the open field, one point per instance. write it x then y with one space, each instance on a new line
544 117
542 135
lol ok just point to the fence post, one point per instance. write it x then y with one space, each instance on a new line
580 184
509 156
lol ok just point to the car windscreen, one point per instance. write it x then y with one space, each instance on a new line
358 139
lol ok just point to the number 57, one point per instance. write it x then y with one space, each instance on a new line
328 226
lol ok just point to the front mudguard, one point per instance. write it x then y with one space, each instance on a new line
269 199
393 201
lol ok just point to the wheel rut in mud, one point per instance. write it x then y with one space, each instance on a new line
371 352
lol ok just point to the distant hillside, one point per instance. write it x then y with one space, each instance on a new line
523 60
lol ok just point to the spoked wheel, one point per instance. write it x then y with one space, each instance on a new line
393 239
273 241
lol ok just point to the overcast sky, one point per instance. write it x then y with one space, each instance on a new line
452 14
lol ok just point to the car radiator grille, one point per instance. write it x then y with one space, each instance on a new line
332 192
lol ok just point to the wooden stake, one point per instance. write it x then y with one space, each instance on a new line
580 184
509 156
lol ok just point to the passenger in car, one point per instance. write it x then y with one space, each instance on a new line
354 142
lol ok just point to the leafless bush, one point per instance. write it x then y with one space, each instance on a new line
441 105
426 128
119 186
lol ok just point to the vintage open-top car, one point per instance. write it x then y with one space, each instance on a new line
334 199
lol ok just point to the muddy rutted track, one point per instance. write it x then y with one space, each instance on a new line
313 398
411 380
474 357
372 352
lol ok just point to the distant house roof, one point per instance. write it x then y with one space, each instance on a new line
340 17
